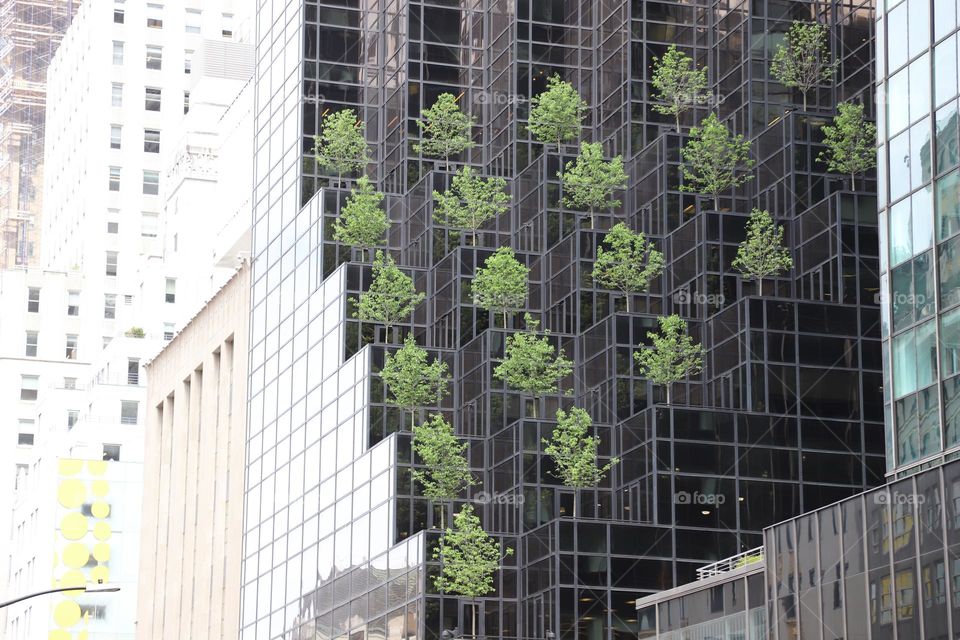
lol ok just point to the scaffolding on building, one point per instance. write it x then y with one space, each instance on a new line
30 32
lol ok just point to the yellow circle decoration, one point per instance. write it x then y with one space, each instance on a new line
73 579
67 613
101 573
73 526
101 531
71 493
101 552
59 634
97 467
69 467
100 509
100 488
76 555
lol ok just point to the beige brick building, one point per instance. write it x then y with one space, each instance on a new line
193 474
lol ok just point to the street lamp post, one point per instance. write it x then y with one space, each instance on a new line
84 588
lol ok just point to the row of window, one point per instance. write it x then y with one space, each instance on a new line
150 184
33 301
151 100
153 59
149 224
151 139
33 340
192 21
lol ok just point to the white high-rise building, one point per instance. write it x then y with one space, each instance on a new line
146 203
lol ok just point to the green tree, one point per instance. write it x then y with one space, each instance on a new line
803 62
574 451
391 297
851 142
630 264
445 130
714 159
590 181
411 380
471 201
468 557
531 364
446 471
501 283
762 254
362 223
674 355
678 83
556 114
342 143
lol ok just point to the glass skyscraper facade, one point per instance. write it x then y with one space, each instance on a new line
786 416
920 218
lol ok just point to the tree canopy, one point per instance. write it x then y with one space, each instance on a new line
589 181
342 143
362 223
471 201
802 61
678 84
411 380
851 142
714 159
391 297
446 471
501 283
762 253
531 364
557 113
445 130
674 354
627 261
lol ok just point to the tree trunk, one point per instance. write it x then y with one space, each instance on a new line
760 286
852 182
576 496
677 114
504 318
804 100
443 512
412 418
627 294
716 202
473 618
669 388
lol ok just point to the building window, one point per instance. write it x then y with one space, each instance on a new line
109 307
133 370
69 383
187 61
111 452
154 16
114 178
29 386
118 15
25 439
128 411
150 225
73 303
111 269
151 140
186 102
71 346
33 300
115 130
154 57
113 227
151 100
151 182
32 338
73 416
171 290
227 29
117 52
193 20
168 330
116 94
127 299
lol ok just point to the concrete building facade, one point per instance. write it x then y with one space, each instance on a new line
193 474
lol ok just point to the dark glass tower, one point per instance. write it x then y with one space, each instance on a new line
786 416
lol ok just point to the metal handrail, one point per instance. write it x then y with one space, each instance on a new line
729 564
